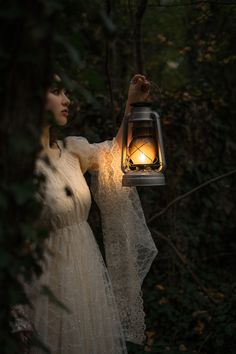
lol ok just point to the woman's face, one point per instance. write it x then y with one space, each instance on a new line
57 102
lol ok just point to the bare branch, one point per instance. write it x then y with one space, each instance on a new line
190 192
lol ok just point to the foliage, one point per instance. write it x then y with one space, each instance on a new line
187 50
25 69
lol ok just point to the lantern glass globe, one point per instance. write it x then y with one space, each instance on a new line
142 151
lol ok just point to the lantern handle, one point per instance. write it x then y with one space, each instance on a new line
159 136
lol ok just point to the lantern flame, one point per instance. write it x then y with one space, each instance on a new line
142 151
142 157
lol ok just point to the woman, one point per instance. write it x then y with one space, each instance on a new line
105 303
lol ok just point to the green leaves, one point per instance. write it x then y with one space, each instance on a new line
23 192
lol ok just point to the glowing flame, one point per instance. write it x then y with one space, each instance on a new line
142 151
142 157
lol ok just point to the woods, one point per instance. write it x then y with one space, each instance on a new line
186 49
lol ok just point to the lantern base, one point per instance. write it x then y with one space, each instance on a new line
143 179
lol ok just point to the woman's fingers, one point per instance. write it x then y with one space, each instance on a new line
145 86
141 82
139 89
136 78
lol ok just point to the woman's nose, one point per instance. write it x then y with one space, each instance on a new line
65 100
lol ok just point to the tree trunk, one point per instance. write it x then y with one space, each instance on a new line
138 50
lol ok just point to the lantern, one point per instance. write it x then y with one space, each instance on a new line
143 159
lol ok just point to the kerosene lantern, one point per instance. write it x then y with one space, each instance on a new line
143 158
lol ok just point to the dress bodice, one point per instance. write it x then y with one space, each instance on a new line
65 194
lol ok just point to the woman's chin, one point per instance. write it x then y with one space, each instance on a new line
61 122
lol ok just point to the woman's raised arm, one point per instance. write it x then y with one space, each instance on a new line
139 91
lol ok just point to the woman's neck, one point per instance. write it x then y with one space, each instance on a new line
52 150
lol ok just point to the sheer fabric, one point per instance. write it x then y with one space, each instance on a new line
105 304
129 247
74 270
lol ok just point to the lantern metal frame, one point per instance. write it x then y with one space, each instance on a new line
142 114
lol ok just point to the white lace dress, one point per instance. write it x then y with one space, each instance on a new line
105 304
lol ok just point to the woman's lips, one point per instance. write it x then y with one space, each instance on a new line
65 113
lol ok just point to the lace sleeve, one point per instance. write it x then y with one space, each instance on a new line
129 247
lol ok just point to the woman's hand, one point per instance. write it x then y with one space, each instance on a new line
139 90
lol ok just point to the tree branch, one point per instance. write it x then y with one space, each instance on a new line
138 35
190 192
107 67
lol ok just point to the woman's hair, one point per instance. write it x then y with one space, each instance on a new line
56 131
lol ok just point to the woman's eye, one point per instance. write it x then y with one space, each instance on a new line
55 91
